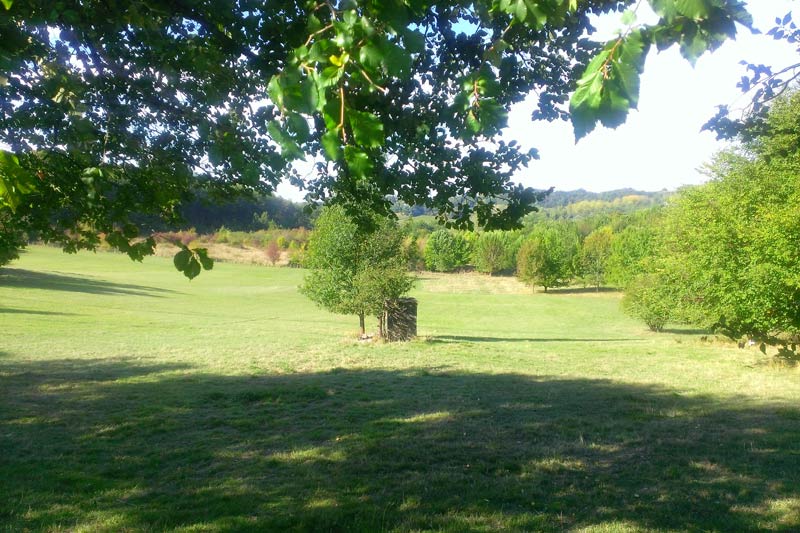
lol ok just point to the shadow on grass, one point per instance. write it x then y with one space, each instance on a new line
14 311
122 445
29 279
578 290
687 330
465 338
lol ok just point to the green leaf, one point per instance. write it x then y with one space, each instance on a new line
181 259
358 161
693 9
396 59
202 255
331 145
330 76
629 17
472 122
15 182
414 41
314 24
520 10
7 4
275 91
298 125
367 128
370 56
193 269
289 148
610 86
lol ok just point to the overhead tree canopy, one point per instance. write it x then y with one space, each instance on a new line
109 108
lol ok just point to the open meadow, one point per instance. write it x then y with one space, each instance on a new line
134 400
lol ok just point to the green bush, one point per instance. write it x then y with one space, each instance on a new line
647 298
548 256
446 251
494 251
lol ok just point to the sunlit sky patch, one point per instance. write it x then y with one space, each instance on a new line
661 145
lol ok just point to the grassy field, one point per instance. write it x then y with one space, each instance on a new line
134 400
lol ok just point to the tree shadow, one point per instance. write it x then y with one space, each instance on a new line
580 290
29 279
126 445
451 339
14 311
687 330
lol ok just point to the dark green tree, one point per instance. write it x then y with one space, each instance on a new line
594 255
494 251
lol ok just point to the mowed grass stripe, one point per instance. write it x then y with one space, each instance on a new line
133 399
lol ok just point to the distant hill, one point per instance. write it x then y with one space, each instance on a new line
618 196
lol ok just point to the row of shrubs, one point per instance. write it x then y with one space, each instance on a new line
549 254
284 239
447 251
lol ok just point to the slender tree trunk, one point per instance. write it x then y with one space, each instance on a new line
361 324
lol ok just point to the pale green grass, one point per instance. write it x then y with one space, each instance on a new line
132 399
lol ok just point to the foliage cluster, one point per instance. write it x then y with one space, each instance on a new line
495 251
549 256
446 251
285 238
727 255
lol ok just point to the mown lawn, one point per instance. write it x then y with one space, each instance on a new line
134 400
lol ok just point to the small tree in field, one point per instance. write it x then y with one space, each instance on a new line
547 257
413 253
273 252
445 251
354 270
493 251
647 298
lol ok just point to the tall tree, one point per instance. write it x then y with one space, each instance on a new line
595 252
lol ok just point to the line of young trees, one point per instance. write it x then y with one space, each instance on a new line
603 250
